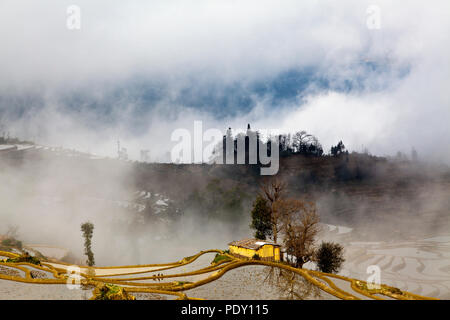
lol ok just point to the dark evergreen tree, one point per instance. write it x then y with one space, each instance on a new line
338 149
88 229
261 218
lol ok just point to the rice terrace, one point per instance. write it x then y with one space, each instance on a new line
195 277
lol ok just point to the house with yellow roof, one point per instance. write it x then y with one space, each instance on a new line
252 248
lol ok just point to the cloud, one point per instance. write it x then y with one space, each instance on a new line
227 39
139 70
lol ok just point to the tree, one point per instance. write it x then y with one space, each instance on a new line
338 149
88 229
315 148
273 190
261 218
300 226
330 257
285 144
301 140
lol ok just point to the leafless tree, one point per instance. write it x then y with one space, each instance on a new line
301 139
273 190
299 224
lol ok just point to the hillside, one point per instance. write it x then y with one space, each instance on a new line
351 189
384 211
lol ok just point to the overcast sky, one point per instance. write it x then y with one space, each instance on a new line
137 70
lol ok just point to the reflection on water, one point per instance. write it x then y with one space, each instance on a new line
291 286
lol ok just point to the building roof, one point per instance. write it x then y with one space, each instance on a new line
253 244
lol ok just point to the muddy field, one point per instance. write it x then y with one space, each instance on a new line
420 266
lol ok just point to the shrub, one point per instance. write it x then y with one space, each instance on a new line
220 257
329 257
25 258
111 292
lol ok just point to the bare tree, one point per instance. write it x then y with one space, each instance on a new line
299 224
301 140
273 190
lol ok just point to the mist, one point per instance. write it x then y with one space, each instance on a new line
49 196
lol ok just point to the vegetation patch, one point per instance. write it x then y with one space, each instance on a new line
182 283
25 258
11 242
187 259
382 289
111 292
220 257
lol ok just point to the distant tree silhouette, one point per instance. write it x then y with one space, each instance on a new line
338 149
400 156
300 142
414 156
314 148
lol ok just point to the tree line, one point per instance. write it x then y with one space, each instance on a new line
298 143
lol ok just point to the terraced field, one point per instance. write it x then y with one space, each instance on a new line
422 267
201 276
